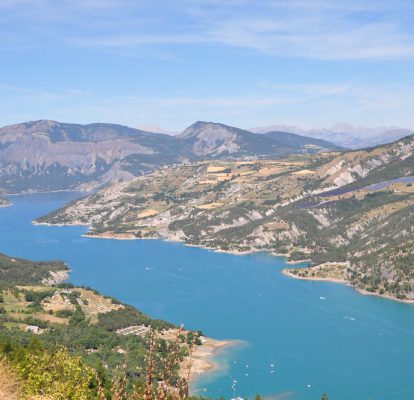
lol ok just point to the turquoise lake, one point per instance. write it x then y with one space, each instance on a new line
314 336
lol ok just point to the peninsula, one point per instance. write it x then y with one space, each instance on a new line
329 207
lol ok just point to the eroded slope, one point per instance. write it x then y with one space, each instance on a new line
354 207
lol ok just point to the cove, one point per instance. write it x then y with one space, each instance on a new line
300 338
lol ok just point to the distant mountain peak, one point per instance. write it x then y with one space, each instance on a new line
198 125
345 134
38 124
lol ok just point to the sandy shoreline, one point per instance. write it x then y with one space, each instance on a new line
201 246
46 192
384 296
202 359
312 278
128 236
347 283
235 252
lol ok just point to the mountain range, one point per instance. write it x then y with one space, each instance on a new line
345 135
48 155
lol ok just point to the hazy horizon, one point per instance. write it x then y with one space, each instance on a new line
340 127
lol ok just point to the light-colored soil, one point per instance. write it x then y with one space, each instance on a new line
201 360
403 187
206 182
275 226
214 169
303 172
335 272
210 206
92 304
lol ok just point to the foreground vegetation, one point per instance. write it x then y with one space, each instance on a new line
32 373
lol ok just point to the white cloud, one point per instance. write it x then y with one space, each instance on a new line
318 29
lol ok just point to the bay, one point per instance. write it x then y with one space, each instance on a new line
297 338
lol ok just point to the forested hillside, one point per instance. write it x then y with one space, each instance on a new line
354 207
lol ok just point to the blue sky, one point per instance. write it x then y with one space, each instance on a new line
245 63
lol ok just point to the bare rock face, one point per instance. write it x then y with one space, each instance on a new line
56 277
351 166
219 141
49 155
210 139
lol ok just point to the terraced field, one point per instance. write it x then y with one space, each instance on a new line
354 207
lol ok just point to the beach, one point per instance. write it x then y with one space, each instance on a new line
202 358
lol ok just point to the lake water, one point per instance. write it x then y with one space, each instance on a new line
314 336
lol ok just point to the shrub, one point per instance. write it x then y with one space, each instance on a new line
58 376
37 297
64 313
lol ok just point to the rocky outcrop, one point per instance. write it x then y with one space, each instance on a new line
56 277
4 203
48 155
